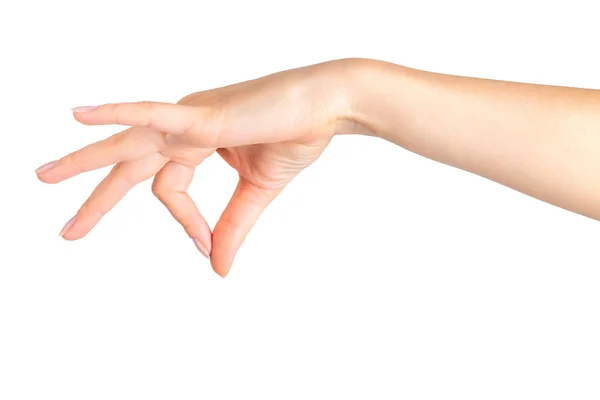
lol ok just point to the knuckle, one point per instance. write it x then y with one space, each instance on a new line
89 210
119 139
122 143
71 161
115 110
159 188
217 120
187 99
187 225
209 125
124 176
147 106
129 180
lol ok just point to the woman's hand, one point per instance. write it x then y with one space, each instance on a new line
268 129
540 140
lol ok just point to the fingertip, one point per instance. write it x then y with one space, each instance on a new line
220 269
64 232
74 234
69 237
47 177
221 274
201 247
202 237
83 109
85 114
79 226
82 118
225 244
44 173
42 177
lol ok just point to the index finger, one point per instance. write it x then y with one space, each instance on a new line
165 117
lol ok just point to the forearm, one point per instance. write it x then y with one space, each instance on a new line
541 140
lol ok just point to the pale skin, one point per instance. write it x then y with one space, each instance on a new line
541 140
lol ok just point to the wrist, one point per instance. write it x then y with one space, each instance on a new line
373 91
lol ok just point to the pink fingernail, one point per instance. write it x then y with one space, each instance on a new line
67 226
46 166
201 248
84 108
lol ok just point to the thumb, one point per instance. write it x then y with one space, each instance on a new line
246 204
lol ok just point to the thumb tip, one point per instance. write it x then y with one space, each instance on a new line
220 270
221 274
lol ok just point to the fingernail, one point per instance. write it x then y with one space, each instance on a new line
46 166
201 248
84 108
67 226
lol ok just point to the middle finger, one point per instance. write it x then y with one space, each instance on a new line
130 144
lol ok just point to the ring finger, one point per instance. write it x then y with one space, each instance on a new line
122 178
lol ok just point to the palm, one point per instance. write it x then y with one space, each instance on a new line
272 166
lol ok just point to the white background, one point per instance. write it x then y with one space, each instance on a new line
376 274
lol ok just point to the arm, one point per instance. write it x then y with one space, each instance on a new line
541 140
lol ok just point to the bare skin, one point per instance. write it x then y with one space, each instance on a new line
540 140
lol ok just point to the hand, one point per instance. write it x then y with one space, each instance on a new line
268 129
